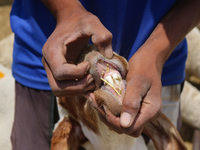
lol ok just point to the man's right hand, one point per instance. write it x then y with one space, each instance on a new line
75 26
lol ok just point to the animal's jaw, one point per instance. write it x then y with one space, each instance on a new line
109 78
112 81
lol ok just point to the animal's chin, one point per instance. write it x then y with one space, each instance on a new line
111 79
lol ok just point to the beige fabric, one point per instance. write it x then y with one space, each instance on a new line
171 102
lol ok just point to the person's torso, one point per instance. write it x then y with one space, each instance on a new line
130 21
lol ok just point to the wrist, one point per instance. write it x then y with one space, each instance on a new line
156 49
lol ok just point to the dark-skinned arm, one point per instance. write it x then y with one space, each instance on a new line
142 101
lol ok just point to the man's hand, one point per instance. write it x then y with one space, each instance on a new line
142 101
75 26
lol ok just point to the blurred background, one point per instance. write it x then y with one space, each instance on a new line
190 98
5 7
6 79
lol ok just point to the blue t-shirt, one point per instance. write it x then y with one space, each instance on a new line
130 21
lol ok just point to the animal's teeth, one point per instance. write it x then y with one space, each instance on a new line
117 78
102 74
107 68
110 80
117 82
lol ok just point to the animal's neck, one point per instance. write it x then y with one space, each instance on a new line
99 135
116 141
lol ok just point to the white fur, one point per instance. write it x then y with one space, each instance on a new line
107 140
62 114
110 140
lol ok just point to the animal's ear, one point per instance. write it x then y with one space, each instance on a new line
164 134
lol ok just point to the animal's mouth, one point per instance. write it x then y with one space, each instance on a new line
112 81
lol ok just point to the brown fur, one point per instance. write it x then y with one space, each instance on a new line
164 134
68 135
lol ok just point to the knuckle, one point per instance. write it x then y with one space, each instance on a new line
60 73
91 19
105 37
47 47
57 73
51 46
134 106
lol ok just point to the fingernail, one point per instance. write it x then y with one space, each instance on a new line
89 99
108 52
88 67
90 80
125 120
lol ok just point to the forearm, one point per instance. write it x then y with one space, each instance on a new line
171 30
62 8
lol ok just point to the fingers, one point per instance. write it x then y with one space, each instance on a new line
151 105
64 47
139 115
104 114
103 43
91 97
69 87
100 36
54 56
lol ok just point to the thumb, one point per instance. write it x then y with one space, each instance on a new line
130 111
131 106
126 119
